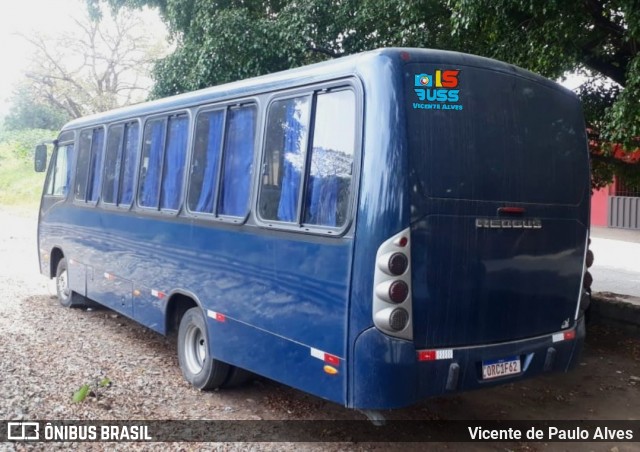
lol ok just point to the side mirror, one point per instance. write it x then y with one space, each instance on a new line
40 163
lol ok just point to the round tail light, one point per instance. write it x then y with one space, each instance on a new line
587 281
398 319
398 291
398 264
589 259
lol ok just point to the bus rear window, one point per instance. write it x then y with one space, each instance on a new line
494 137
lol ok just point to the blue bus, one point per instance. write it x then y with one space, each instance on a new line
373 230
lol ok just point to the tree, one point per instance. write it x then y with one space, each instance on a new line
29 112
94 64
227 40
597 38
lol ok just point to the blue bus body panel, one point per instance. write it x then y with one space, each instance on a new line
281 294
403 380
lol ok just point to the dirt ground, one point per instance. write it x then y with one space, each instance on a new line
48 352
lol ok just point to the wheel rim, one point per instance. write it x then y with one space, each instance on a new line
195 349
63 285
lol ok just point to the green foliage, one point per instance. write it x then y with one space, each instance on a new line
95 389
81 394
28 113
600 38
21 144
227 40
19 184
234 39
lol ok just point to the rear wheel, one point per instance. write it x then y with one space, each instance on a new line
237 377
67 297
197 366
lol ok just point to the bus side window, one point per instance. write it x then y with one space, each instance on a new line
84 158
163 155
284 157
89 170
237 164
129 162
149 185
112 163
95 175
329 178
174 157
120 163
60 173
204 164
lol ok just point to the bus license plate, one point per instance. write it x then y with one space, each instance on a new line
500 367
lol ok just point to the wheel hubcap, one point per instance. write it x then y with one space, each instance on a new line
63 285
195 349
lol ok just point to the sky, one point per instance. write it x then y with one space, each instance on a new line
24 16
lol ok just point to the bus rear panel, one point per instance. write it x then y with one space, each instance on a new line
496 232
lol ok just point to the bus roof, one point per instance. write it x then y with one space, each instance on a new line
336 68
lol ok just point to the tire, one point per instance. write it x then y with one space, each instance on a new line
67 297
237 377
196 363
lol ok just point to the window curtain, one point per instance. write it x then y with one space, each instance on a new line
323 200
174 163
96 164
293 165
238 161
129 158
151 179
214 141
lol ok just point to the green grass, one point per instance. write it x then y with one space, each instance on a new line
20 185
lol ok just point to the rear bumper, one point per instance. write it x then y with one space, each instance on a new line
387 373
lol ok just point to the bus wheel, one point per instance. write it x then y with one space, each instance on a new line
196 364
238 377
67 297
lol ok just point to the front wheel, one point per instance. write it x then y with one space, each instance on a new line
67 297
197 365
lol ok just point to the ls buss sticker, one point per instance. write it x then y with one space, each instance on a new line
435 91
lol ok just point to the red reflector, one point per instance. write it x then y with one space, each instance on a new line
403 241
333 360
220 317
569 335
426 355
511 210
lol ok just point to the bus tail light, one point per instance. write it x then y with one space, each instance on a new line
392 319
393 264
392 301
589 258
392 291
584 301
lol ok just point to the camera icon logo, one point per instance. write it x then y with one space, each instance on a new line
23 431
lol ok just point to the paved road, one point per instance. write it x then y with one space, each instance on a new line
616 267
